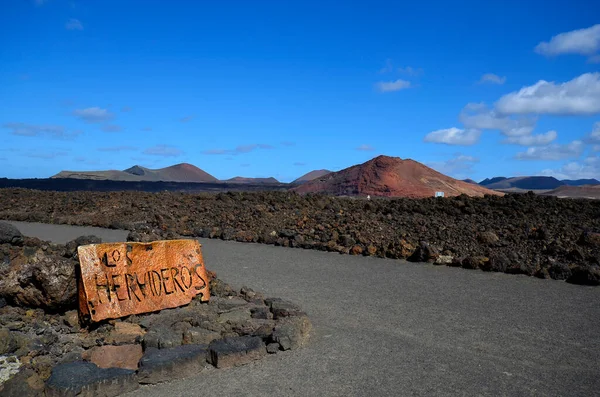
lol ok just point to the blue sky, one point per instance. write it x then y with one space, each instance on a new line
270 88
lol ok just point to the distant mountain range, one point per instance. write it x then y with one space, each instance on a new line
381 176
533 182
183 172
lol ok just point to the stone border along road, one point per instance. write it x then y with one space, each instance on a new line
386 328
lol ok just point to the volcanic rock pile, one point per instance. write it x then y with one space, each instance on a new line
518 233
44 348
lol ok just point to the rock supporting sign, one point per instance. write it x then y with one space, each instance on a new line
120 279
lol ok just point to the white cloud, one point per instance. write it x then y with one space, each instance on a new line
580 96
391 86
552 152
74 24
492 78
93 115
164 151
478 116
365 148
532 140
458 166
580 41
594 136
588 169
454 136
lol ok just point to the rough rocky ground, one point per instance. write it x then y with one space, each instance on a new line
45 349
523 234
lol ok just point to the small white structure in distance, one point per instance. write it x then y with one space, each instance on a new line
368 197
439 194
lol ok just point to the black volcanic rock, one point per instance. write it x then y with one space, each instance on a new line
517 233
10 234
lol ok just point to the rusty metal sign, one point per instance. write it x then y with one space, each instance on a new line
120 279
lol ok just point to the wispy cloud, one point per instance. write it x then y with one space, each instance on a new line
299 164
407 70
216 151
459 166
93 115
238 150
552 152
492 78
39 2
365 148
288 143
186 119
589 168
32 130
45 155
389 67
164 151
454 136
410 71
147 129
73 24
111 128
594 136
580 96
479 116
116 149
391 86
125 109
581 41
532 140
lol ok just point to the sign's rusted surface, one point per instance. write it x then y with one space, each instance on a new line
119 279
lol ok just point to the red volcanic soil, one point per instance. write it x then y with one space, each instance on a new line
311 175
391 177
586 191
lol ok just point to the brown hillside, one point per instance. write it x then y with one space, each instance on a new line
391 177
585 191
311 175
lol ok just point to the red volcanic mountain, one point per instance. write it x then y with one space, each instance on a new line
391 177
183 172
311 175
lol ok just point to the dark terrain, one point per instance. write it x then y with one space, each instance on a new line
73 184
539 236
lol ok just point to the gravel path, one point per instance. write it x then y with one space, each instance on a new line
384 327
